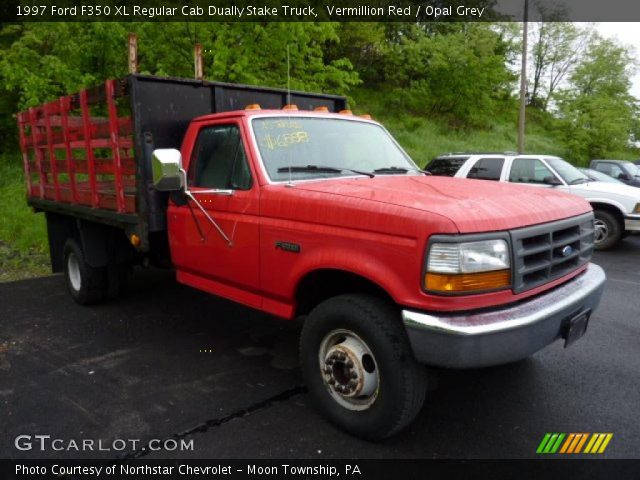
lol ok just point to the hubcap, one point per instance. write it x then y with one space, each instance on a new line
73 267
601 231
349 369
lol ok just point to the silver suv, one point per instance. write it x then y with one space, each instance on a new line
616 207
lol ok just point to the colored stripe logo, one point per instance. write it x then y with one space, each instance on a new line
574 443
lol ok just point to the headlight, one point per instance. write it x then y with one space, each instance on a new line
467 267
637 209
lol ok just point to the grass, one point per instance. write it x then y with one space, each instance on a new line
23 236
425 138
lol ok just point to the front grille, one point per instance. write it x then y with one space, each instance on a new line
540 252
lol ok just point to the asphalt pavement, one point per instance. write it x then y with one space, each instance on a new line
165 361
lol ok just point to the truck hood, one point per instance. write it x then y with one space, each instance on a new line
473 205
607 189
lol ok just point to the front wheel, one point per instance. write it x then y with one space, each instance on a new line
607 229
359 367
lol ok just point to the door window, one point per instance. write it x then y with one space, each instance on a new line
529 170
610 169
487 169
219 159
446 167
616 171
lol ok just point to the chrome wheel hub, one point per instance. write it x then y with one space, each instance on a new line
349 370
601 231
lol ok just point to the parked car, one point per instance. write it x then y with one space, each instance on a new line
616 207
625 171
302 212
597 176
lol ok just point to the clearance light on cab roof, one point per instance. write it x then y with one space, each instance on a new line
253 106
290 107
366 116
346 112
321 109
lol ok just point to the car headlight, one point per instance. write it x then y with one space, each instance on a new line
468 266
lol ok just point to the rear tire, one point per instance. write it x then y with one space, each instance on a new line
87 285
608 230
359 367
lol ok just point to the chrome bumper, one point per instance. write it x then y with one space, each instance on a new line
632 223
480 339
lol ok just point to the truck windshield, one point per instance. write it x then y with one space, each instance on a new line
568 172
632 169
291 147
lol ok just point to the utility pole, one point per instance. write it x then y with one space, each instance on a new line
133 53
197 61
523 79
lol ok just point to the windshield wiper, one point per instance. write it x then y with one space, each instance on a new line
577 181
321 169
396 170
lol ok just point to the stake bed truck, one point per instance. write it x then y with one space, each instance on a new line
309 212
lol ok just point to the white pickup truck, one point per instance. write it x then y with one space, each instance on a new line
616 207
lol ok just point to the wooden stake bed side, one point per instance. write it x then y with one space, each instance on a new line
74 158
88 155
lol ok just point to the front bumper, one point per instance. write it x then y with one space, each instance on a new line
481 339
632 223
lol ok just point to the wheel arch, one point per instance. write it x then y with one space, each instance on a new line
611 208
323 283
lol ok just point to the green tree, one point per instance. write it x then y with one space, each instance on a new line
557 47
597 112
42 61
461 75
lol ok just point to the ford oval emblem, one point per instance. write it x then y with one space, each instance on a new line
566 251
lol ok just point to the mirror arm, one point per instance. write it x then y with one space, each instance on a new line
188 193
215 191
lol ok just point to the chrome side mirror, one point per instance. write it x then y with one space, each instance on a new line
166 166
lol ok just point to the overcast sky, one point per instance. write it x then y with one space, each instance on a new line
626 33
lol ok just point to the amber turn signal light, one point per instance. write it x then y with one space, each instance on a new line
467 282
290 107
135 240
253 106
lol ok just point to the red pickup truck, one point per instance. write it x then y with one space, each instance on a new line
302 212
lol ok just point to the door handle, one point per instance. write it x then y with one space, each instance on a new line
215 191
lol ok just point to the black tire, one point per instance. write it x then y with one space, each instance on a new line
608 229
401 381
87 285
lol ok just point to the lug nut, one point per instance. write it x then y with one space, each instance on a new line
331 381
354 374
349 363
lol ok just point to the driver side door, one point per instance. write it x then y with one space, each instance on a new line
221 179
531 171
